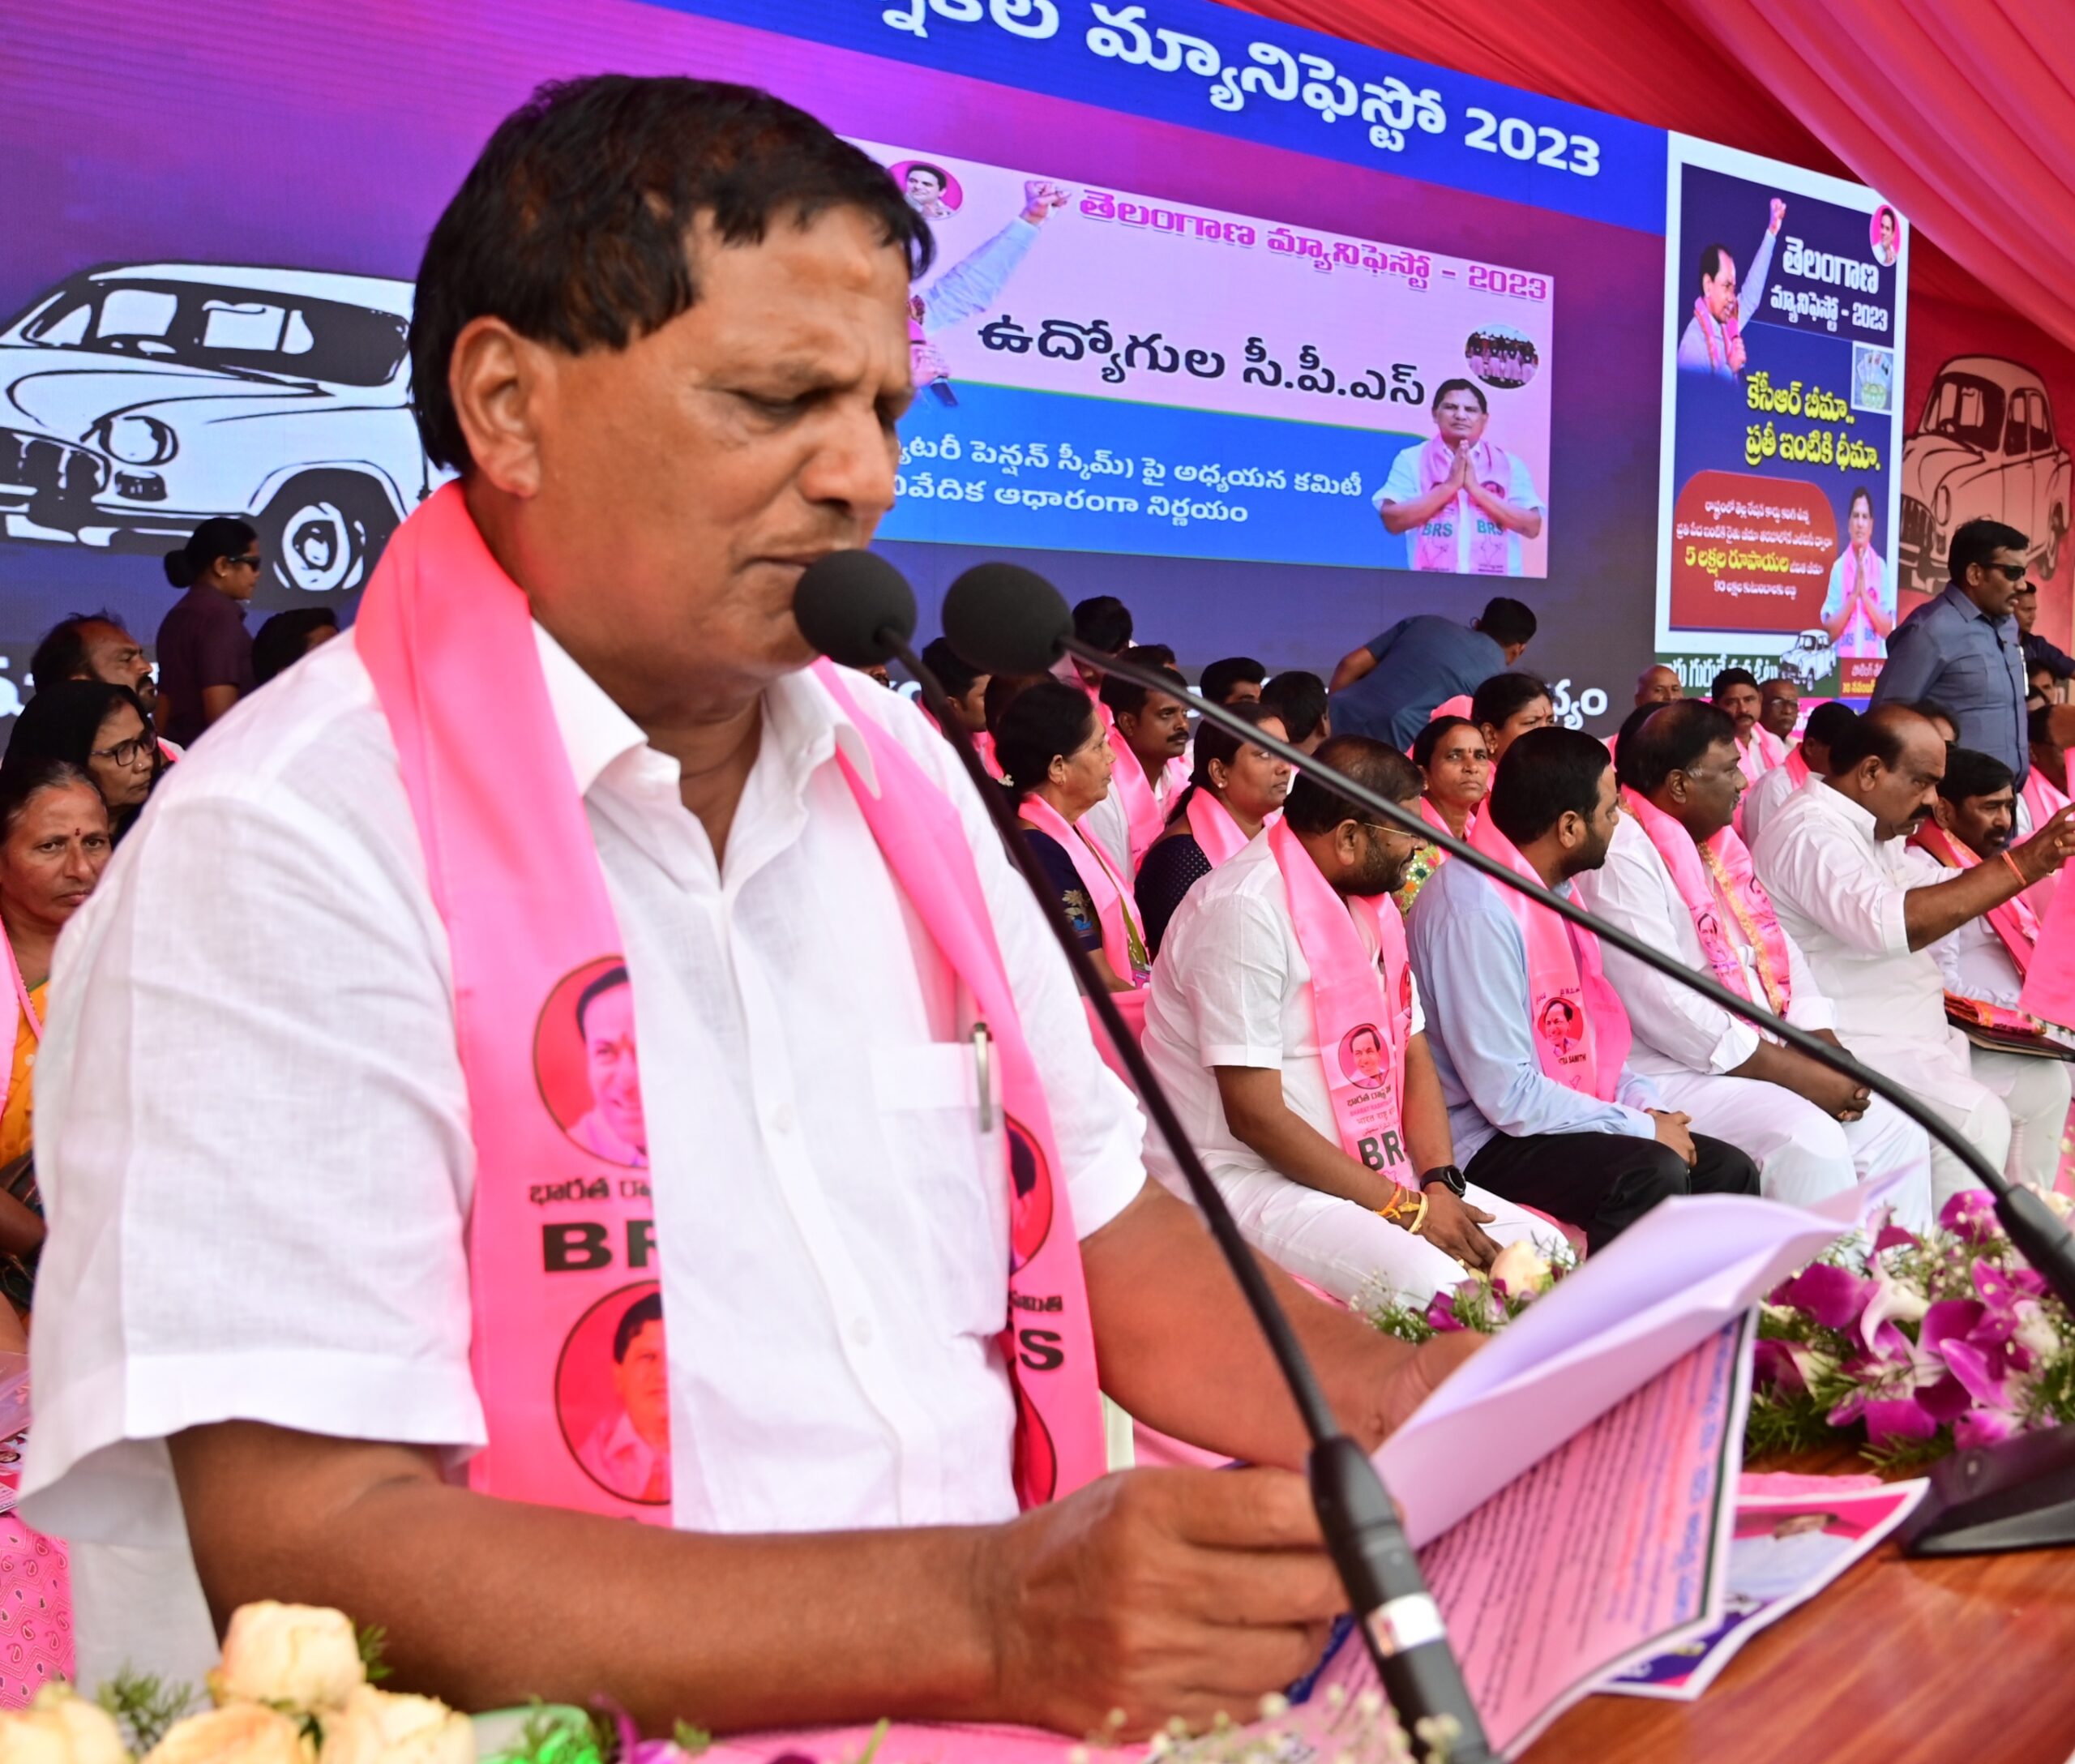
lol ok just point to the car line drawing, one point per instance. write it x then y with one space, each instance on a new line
1986 445
136 399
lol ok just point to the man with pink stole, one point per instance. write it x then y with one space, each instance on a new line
1149 735
1677 878
1530 1041
1467 502
1759 750
1284 1021
1809 757
338 971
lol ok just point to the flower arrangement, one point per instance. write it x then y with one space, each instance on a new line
1917 1347
1489 1300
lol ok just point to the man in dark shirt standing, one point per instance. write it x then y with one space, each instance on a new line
205 652
1388 689
1961 648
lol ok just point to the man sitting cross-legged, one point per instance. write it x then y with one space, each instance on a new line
1677 876
1284 1020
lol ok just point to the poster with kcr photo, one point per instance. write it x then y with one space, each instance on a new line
1783 427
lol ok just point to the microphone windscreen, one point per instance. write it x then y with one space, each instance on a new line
1003 619
849 604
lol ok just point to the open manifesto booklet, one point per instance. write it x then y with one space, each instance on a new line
1571 1490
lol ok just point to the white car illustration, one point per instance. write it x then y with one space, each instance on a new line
1985 445
137 399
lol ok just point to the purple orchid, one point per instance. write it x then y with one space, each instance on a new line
1831 1296
1441 1308
1971 1215
1982 1427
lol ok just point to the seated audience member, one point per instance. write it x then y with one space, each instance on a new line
1056 758
1530 1041
1940 719
286 638
1300 699
1235 680
2038 801
1679 878
1283 1019
1235 789
967 688
1388 688
1103 622
1758 749
102 730
1779 707
53 844
97 646
1809 757
1455 763
1148 734
1973 822
1659 685
257 1075
204 651
1865 911
2045 663
1507 706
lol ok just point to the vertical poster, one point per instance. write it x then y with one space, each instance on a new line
1779 491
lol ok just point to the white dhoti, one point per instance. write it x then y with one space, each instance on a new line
1343 1248
1804 1155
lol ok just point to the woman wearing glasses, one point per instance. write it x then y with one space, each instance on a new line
204 651
99 729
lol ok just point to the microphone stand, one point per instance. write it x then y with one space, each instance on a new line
1399 1620
2018 1494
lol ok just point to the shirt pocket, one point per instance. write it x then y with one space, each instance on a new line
1965 680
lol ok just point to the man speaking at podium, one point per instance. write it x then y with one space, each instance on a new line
331 1299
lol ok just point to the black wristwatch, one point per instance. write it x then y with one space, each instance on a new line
1449 1175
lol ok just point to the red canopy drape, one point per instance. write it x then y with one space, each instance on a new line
1961 112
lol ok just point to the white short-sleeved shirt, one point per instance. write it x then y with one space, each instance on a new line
1232 988
1402 486
253 1142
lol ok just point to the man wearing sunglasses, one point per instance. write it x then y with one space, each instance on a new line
1963 647
205 652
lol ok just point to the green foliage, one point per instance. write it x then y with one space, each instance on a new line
690 1739
373 1640
145 1706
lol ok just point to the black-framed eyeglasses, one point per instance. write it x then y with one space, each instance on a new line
126 752
250 563
2011 572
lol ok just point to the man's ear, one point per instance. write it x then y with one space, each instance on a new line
1942 811
499 382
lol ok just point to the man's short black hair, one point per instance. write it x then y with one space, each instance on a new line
1978 540
612 977
1674 738
1828 722
1126 699
1506 621
1505 696
647 1309
1222 676
937 172
1470 386
1314 807
573 225
957 674
1879 734
1103 622
2039 725
1971 774
1547 774
1730 677
1927 707
1711 258
1300 699
62 653
283 640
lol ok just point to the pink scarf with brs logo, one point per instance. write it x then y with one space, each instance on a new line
447 638
1360 1003
1581 1032
1719 874
1435 546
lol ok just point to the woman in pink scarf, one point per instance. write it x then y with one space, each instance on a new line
1236 790
1467 502
1856 614
1452 754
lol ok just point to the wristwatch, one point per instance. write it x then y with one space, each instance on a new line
1448 1176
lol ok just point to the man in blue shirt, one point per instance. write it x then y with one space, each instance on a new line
1388 689
1963 649
1518 1132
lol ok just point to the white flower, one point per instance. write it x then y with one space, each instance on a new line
59 1728
237 1733
300 1655
2062 1204
380 1727
2035 1333
1520 1268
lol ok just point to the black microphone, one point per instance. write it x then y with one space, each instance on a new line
1010 617
856 608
